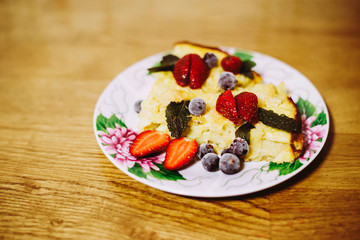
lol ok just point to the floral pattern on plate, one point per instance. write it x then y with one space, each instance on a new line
117 139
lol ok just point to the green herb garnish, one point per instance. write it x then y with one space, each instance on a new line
246 68
275 120
166 64
244 132
177 117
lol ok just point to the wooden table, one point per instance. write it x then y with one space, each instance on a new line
56 57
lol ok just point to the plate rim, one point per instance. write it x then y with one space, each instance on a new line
211 194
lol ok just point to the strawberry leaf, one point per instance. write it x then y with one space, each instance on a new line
177 117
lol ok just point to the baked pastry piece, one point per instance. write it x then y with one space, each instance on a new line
266 142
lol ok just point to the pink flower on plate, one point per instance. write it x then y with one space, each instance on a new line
311 137
118 141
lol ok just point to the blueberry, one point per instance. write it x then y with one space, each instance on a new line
229 163
210 59
204 149
137 106
227 81
197 106
210 162
226 150
239 147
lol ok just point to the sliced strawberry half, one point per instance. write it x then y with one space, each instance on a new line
181 71
191 71
226 106
149 142
199 72
247 106
179 153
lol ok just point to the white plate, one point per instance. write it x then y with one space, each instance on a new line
115 108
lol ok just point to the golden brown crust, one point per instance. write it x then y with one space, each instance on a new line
201 46
297 138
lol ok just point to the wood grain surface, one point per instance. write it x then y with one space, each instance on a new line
56 57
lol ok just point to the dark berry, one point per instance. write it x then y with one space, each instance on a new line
204 149
226 150
229 163
227 81
197 106
210 162
137 106
239 147
210 59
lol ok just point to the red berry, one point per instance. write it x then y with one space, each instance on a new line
246 106
191 71
179 153
231 64
226 106
149 142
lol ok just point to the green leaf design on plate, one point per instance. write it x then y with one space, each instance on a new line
165 174
102 122
306 107
137 171
112 120
162 174
244 56
320 119
285 168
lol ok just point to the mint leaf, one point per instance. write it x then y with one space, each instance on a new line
177 117
166 64
283 122
285 168
137 171
169 60
246 68
243 56
165 174
319 120
244 132
306 107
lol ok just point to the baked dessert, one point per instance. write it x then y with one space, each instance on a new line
271 124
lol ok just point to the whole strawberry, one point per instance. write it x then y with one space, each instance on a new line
246 107
232 64
191 71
